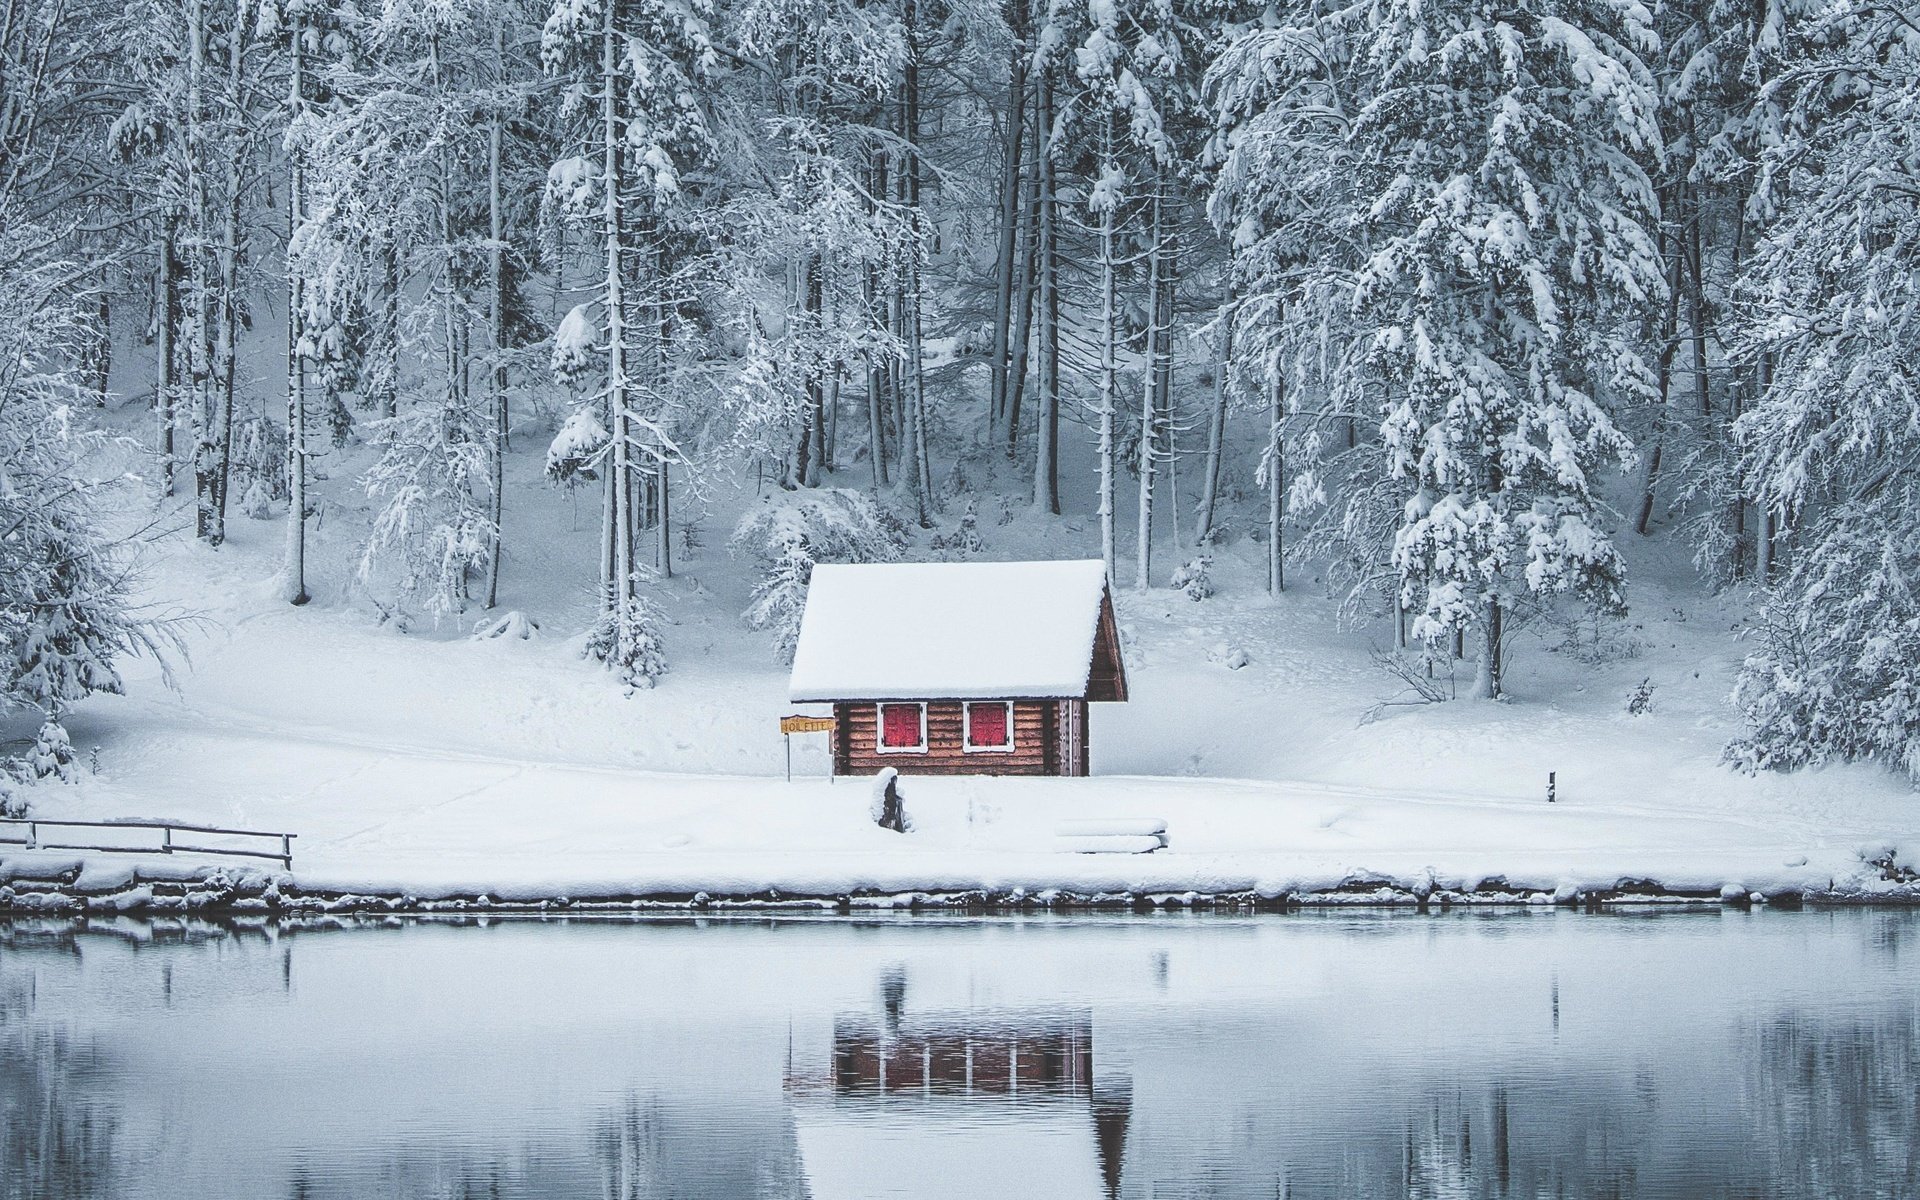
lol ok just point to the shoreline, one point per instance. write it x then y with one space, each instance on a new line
64 888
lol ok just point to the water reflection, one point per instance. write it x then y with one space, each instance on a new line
1733 1055
56 1133
873 1114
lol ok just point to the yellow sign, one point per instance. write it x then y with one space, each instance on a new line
806 724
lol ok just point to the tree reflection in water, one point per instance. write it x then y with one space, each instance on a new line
56 1133
1839 1103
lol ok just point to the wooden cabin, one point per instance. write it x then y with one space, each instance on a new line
959 668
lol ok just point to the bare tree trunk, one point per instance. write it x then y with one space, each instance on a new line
496 334
1663 369
876 398
390 329
296 551
919 466
663 526
103 349
831 441
620 584
1150 392
1216 428
1489 681
817 384
227 357
918 460
1697 313
1276 493
206 438
1028 265
1046 455
1763 533
1005 260
169 304
296 557
1109 388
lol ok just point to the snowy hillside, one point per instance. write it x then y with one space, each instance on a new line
436 763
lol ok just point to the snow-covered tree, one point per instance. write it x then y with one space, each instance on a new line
1498 217
64 617
395 168
1831 319
788 534
637 130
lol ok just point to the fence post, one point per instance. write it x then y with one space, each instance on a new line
166 839
286 851
33 835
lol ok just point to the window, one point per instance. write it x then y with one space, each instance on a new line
903 729
989 727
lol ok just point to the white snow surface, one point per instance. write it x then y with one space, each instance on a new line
422 762
948 631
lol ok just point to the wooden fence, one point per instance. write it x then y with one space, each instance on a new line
32 828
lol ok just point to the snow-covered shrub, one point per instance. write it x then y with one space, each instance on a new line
257 470
1194 579
1596 638
515 626
575 350
13 801
577 448
1640 703
1422 680
638 660
794 530
1230 656
965 538
52 755
433 531
888 805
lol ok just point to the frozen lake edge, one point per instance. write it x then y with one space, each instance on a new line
46 883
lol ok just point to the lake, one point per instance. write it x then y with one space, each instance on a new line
1719 1053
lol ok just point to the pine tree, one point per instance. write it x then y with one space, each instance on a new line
1831 320
633 97
1494 189
411 132
64 619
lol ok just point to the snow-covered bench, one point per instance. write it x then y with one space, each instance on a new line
1111 835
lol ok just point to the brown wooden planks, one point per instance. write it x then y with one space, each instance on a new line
1034 742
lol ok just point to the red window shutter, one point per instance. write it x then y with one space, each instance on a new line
900 726
987 725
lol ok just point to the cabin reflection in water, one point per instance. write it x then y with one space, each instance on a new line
967 1103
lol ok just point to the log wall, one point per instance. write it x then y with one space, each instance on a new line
1036 742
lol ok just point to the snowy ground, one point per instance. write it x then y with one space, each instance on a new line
430 763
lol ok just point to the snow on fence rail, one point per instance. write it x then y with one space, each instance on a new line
166 830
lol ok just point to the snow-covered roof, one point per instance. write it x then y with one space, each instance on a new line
949 631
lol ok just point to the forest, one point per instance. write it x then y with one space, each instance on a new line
1492 288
